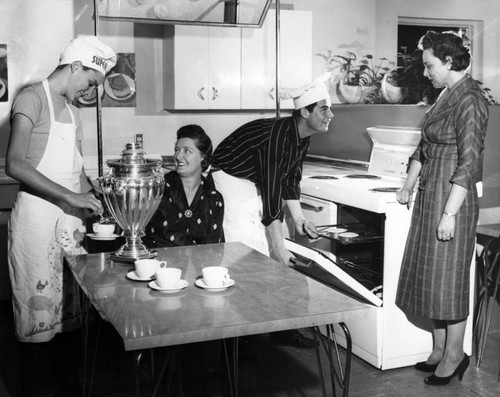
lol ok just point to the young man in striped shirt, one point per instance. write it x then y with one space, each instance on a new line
270 153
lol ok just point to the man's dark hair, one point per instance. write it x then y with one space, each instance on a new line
310 108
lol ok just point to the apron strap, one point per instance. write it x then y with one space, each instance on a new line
51 105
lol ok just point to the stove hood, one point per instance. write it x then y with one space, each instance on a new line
242 13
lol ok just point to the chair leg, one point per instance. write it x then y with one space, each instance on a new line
489 315
485 299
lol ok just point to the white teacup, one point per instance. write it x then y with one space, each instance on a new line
168 277
103 229
215 276
146 268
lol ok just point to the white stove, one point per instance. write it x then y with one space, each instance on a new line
386 339
356 192
372 189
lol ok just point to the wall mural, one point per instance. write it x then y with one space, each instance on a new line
119 86
4 88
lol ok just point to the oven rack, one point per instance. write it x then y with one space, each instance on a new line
365 234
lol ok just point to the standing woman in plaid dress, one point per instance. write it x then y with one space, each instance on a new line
435 272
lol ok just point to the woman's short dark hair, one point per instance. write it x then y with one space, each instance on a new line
447 44
201 140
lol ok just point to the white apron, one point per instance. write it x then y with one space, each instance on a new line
242 211
45 300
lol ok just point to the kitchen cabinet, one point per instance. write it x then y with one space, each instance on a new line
258 59
210 68
202 67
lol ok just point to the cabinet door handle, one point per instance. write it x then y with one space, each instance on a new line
311 207
271 93
215 93
200 93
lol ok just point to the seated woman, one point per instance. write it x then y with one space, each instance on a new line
191 210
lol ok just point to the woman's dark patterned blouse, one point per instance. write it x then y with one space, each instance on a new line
176 223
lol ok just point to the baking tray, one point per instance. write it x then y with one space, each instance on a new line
365 234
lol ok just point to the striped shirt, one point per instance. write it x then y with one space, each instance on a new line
270 153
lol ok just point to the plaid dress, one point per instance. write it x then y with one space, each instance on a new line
434 278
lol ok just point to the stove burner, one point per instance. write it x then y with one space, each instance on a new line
323 177
363 176
385 189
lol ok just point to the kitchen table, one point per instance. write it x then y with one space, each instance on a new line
266 297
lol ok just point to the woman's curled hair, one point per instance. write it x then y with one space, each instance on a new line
447 44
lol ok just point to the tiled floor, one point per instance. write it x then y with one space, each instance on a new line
264 370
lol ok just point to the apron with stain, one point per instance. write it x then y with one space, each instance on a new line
45 296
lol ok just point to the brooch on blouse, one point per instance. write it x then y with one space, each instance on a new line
188 213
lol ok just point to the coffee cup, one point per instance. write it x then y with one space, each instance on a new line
215 276
168 277
146 268
103 229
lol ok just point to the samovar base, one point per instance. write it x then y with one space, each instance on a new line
133 250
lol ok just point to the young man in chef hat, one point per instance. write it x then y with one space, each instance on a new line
261 165
47 219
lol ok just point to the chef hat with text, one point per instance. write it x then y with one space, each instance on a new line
91 52
310 93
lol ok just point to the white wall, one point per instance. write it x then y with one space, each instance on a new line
36 30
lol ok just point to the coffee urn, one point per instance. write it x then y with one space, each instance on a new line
132 191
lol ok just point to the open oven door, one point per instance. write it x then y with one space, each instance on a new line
320 267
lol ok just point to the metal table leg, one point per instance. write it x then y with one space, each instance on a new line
338 374
166 367
232 365
85 309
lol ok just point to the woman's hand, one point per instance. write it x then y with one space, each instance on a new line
404 196
446 228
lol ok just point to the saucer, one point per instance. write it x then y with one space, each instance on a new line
133 276
181 285
200 283
103 238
